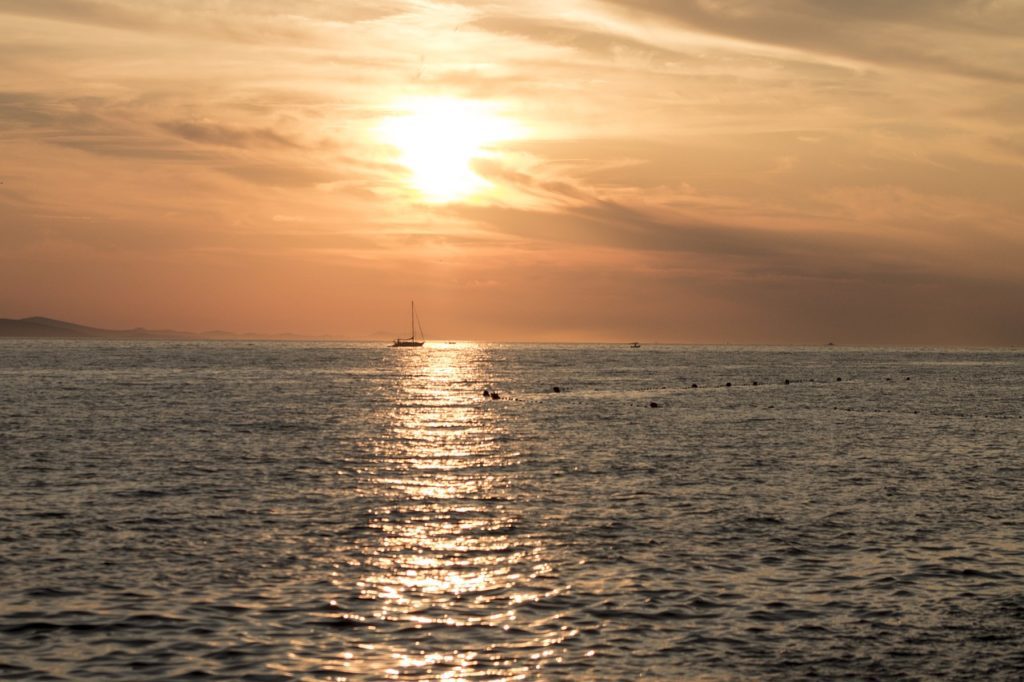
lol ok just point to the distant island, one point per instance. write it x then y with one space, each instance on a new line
46 328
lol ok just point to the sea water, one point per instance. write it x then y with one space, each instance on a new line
326 511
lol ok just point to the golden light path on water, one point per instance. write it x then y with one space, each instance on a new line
444 568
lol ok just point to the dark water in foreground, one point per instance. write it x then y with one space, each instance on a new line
281 511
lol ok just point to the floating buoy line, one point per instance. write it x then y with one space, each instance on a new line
491 394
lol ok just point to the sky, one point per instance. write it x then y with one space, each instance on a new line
678 171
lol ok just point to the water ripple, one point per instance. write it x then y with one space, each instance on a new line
324 511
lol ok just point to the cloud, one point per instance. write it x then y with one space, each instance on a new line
608 224
28 110
239 20
94 12
276 175
229 136
85 124
587 39
128 147
967 38
911 235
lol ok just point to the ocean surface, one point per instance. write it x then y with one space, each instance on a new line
326 511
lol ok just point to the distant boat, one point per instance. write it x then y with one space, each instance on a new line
411 341
635 344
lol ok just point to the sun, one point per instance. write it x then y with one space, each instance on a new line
437 140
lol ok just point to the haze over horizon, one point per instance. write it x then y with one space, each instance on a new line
712 171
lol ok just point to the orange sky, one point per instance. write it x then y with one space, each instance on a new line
713 171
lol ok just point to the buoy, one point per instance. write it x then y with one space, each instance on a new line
755 383
786 382
486 393
654 404
839 378
556 389
728 384
495 396
693 385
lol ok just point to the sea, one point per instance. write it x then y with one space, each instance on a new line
272 511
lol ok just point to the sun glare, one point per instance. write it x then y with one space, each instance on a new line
437 140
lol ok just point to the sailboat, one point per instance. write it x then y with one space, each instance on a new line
411 341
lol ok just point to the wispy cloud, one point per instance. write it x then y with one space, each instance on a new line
229 136
970 38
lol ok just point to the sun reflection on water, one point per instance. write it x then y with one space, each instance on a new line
443 567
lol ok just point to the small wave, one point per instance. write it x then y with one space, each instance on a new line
337 622
770 520
51 593
31 627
